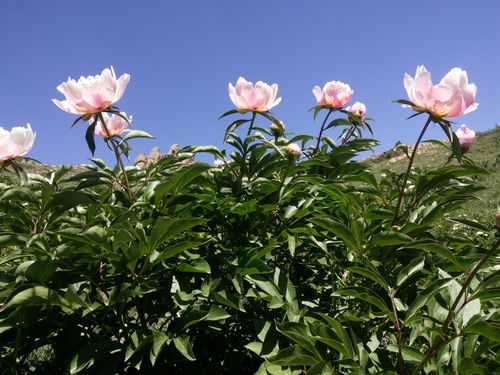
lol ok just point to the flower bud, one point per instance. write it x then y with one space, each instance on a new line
466 137
497 219
357 109
293 150
277 129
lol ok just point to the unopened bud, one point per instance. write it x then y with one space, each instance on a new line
293 150
466 137
497 219
277 129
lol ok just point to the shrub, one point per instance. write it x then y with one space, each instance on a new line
287 256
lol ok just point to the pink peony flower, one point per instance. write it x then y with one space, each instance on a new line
466 137
115 125
358 109
16 143
452 97
92 94
335 94
248 97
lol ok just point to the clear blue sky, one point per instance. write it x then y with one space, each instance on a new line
182 54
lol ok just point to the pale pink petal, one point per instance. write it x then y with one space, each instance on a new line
318 94
471 108
232 94
275 103
121 86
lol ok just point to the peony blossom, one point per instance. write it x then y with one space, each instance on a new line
16 143
293 150
248 97
452 97
466 137
92 94
335 94
358 109
115 125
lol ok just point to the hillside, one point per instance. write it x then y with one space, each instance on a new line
485 152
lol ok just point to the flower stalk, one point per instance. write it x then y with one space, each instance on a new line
115 148
316 149
408 171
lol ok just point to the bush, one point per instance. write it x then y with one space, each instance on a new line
279 259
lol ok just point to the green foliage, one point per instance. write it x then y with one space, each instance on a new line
266 265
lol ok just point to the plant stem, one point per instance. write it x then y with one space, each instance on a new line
349 134
397 326
322 130
250 128
443 339
118 157
412 159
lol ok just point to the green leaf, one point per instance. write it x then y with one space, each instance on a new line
488 294
217 313
294 356
486 329
433 248
405 102
159 340
66 200
173 250
341 333
167 228
408 271
82 360
40 271
198 266
184 347
339 229
371 273
409 354
292 244
230 112
299 333
30 296
470 367
390 238
424 296
338 122
270 117
136 134
182 178
472 224
366 295
90 136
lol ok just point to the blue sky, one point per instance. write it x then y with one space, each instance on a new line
182 54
